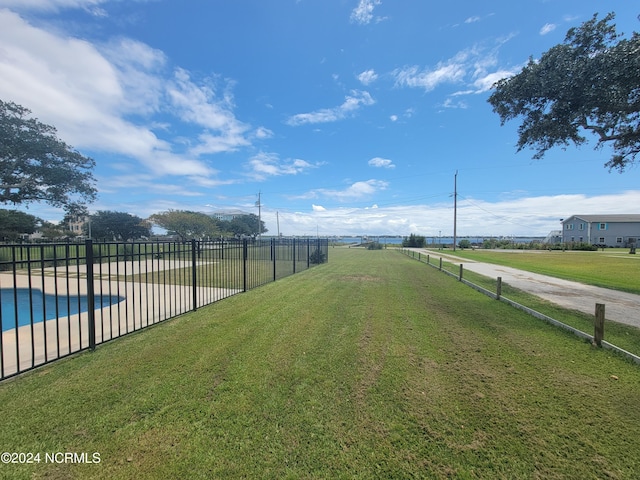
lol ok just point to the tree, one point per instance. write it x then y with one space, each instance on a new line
591 82
186 224
14 223
37 166
465 243
415 241
51 231
248 225
106 224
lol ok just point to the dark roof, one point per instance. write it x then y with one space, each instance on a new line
612 218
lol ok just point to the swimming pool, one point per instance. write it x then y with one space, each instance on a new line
44 306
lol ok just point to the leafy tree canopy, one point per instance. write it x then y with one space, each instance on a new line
36 166
248 225
414 241
111 225
14 223
186 224
591 82
51 231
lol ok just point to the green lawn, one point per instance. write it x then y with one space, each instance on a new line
624 336
370 366
612 268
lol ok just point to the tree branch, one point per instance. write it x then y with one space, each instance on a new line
602 133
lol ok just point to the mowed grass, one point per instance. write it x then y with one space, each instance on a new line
610 268
621 335
370 366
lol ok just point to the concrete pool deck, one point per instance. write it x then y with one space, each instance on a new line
144 304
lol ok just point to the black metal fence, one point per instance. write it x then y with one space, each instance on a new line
59 299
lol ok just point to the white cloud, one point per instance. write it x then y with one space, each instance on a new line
199 104
263 133
104 97
381 163
137 69
52 5
486 82
476 68
49 73
393 118
264 165
351 104
429 79
367 77
144 183
524 216
548 28
363 13
450 103
453 70
477 18
355 191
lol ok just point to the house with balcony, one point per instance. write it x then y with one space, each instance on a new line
622 230
228 215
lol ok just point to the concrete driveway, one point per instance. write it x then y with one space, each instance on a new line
620 307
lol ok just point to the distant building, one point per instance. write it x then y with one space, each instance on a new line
555 236
77 224
605 230
228 215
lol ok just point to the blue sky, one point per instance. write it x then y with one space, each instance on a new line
349 117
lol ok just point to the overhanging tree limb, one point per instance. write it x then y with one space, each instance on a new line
37 166
591 82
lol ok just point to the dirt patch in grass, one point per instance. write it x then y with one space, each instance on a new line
360 278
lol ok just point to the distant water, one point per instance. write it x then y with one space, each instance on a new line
431 240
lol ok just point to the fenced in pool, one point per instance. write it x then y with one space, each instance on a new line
60 299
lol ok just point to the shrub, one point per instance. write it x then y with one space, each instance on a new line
317 256
413 240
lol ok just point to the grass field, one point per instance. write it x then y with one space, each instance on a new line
610 268
371 366
624 336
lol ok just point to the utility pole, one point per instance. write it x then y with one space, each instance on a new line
455 209
278 222
259 205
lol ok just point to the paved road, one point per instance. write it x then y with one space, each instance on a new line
619 306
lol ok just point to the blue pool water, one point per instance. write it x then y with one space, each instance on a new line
46 304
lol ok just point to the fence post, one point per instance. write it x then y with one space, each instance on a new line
598 334
428 259
499 288
294 254
245 255
273 256
440 263
91 298
194 275
460 276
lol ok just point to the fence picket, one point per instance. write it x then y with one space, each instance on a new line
131 285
